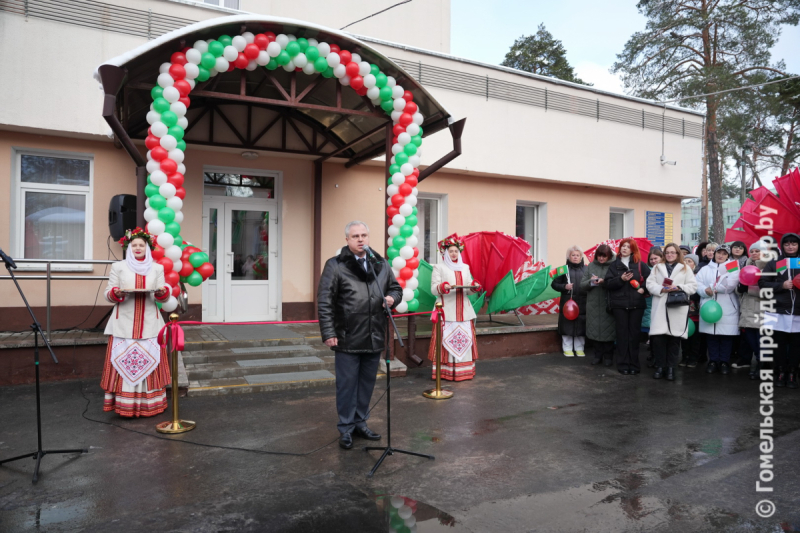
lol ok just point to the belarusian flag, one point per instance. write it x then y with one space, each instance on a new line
732 266
560 271
781 266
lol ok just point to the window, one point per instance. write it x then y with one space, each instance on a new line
232 4
732 218
527 226
616 226
695 236
53 206
238 185
431 218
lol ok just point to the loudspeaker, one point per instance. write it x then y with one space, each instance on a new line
121 215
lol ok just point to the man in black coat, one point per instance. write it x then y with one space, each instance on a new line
353 324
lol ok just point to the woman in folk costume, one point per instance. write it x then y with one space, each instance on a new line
459 347
136 368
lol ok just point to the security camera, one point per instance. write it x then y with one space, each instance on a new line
665 162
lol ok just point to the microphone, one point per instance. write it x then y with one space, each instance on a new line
7 260
369 251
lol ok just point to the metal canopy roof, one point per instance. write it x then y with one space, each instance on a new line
276 111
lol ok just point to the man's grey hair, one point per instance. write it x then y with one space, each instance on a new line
354 223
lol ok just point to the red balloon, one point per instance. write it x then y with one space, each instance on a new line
176 290
392 211
172 278
231 66
261 41
251 51
398 129
206 270
192 249
158 153
157 253
241 61
416 252
796 281
351 69
181 193
168 166
405 189
185 255
270 35
183 87
345 57
176 179
362 91
151 141
186 269
415 172
397 200
335 48
405 119
411 180
571 310
185 101
166 262
402 282
412 263
406 273
408 96
178 58
177 71
410 108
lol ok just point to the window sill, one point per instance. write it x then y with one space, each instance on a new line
60 267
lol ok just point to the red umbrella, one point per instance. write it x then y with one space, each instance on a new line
643 244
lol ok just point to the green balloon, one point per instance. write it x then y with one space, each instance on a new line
181 246
321 64
156 92
406 230
387 106
177 132
416 293
412 220
178 238
272 65
401 158
226 40
381 80
398 242
197 259
293 48
173 228
328 72
711 312
417 139
413 305
374 70
283 58
216 48
169 118
182 146
183 279
410 149
386 94
194 279
312 54
394 169
150 190
692 328
165 214
420 132
160 105
414 211
203 74
392 252
208 60
302 42
158 202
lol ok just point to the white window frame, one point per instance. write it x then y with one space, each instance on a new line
441 213
18 208
627 220
539 244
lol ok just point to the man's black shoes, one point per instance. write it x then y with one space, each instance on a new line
366 433
346 441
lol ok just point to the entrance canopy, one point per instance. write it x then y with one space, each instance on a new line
260 109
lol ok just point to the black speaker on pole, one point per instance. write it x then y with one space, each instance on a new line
121 215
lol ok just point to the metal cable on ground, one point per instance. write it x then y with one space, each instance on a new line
205 445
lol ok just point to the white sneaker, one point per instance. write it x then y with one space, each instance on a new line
569 354
579 353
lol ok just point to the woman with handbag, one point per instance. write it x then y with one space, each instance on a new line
671 283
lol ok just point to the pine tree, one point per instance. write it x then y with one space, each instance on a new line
541 54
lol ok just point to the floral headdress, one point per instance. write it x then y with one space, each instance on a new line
136 233
452 240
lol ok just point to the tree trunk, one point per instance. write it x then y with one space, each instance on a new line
714 176
787 155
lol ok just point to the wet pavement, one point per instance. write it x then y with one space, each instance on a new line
533 444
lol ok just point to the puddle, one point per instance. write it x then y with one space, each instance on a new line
406 515
45 517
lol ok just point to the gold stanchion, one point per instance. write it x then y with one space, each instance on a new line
438 393
176 425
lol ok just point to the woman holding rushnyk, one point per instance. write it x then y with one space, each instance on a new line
459 347
136 368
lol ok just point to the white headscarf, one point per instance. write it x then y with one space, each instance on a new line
139 267
456 266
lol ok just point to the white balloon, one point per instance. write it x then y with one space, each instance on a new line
418 118
291 37
173 252
392 161
398 178
167 190
408 295
164 68
153 165
398 262
402 307
168 142
369 83
396 149
411 200
156 227
355 58
309 69
177 265
273 49
229 53
414 191
406 210
194 56
396 272
412 241
252 65
412 283
201 46
153 117
282 40
404 138
192 71
333 59
399 104
312 42
158 178
147 204
263 58
213 72
373 93
339 71
289 67
406 169
412 129
345 80
397 92
396 116
179 108
406 252
390 241
398 220
159 129
176 155
391 82
182 168
393 231
183 122
176 204
239 43
178 214
416 273
363 68
414 160
324 49
416 231
300 60
405 511
170 305
389 202
391 190
248 37
222 65
152 214
165 240
171 94
165 80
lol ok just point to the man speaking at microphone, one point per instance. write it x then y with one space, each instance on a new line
352 322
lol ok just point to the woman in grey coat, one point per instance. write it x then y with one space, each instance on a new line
600 325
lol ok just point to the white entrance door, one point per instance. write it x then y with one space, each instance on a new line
242 238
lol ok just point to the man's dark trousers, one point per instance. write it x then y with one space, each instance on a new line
355 380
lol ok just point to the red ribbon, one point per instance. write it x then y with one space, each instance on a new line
174 333
435 315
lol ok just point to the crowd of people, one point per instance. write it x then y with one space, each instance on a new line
627 301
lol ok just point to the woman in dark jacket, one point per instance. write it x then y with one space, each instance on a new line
625 282
600 326
573 332
701 253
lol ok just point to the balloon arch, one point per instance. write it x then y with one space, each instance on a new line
166 146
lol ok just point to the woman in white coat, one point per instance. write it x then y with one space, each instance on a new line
136 368
668 325
716 282
459 347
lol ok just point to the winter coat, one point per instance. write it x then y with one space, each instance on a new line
683 278
787 301
725 296
577 327
136 315
600 324
646 315
621 294
349 304
750 313
457 307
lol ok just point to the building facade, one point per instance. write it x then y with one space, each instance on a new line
691 213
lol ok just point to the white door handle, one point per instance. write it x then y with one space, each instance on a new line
229 262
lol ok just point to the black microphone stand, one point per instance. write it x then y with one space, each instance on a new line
388 449
37 330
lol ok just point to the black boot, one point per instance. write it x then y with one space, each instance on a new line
754 371
597 360
651 361
792 379
725 368
670 374
780 377
659 373
712 367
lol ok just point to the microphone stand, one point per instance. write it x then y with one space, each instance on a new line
388 449
37 330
